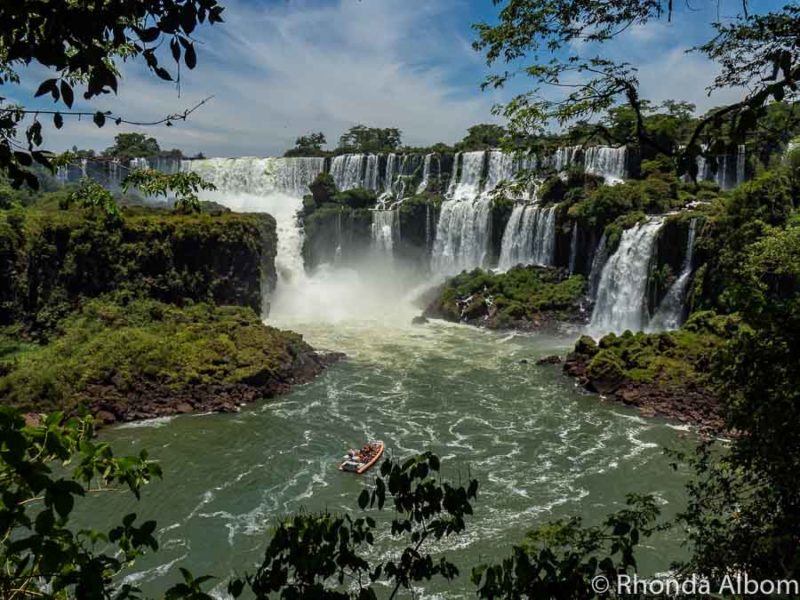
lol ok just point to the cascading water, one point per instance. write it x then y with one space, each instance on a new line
607 162
464 229
371 174
621 294
529 237
731 169
272 185
391 168
741 164
573 248
138 163
598 262
385 231
670 310
347 171
426 174
565 157
501 168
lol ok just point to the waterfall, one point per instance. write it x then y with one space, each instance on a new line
741 163
371 174
272 185
573 247
501 168
385 231
670 310
598 262
451 186
529 237
346 170
621 293
464 229
608 162
428 226
426 174
138 163
388 178
731 169
565 157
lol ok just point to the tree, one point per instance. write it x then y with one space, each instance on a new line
426 510
184 186
132 145
564 559
308 145
587 83
80 44
370 139
482 136
94 197
41 556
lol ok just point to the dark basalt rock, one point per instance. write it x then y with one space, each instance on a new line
684 403
419 320
549 360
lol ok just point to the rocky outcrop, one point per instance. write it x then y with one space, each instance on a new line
604 370
525 298
145 400
52 260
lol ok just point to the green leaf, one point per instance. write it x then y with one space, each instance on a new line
99 119
58 120
66 93
46 86
363 499
191 57
176 49
162 73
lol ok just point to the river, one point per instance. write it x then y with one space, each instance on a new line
540 447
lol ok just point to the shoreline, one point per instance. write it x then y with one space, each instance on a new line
685 404
111 406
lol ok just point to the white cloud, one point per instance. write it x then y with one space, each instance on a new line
283 69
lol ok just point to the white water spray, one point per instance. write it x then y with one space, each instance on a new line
622 290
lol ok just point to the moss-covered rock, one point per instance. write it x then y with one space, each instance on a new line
605 371
137 358
668 373
524 297
51 260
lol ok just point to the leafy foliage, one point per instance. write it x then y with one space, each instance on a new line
51 260
560 560
124 344
132 145
308 145
184 186
42 557
80 45
563 43
482 137
361 138
315 555
520 294
96 198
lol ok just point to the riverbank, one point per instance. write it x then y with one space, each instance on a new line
668 374
131 359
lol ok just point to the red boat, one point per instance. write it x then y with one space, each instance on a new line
361 461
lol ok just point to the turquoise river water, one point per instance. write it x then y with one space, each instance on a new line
540 447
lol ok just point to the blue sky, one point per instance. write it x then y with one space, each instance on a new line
280 68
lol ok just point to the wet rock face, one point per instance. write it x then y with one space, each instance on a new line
679 402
